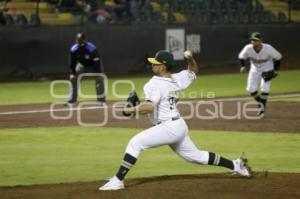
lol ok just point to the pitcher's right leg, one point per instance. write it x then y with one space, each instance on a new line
188 151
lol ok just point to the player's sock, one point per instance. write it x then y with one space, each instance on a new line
215 159
264 98
256 96
126 165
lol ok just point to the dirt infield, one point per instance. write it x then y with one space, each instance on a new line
262 185
280 117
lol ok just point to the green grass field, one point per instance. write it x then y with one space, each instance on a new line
205 86
53 155
69 154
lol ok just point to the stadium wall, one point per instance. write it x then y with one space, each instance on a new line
45 50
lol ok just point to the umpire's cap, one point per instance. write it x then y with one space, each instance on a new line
80 37
162 57
255 36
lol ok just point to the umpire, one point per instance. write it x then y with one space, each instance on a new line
84 58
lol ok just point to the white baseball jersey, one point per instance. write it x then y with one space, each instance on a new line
261 61
164 93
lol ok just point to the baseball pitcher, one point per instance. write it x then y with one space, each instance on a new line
161 96
264 66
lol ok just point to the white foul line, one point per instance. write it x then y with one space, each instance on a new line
106 106
248 98
49 110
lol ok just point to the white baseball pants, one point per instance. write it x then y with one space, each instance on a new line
254 79
172 133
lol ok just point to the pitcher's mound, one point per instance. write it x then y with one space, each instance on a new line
261 185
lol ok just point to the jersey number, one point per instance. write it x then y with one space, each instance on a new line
172 102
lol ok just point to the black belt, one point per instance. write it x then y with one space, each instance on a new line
172 119
175 118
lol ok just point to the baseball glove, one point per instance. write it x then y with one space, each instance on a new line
268 75
132 100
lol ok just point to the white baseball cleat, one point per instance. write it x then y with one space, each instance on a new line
261 112
241 167
113 184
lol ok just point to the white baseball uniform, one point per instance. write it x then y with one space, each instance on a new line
170 129
260 62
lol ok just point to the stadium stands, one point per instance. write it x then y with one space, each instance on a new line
281 8
23 12
155 11
235 11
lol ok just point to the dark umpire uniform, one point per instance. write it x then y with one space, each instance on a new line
84 58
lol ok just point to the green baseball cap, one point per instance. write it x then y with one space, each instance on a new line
255 36
162 57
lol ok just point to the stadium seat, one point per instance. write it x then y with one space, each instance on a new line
9 19
35 20
179 18
282 17
20 19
